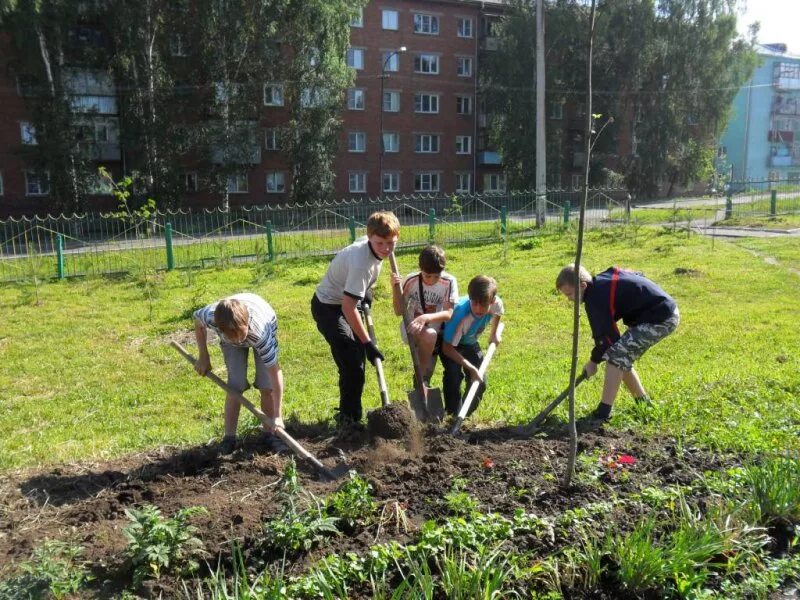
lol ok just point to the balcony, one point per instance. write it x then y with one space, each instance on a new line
788 105
786 137
490 43
104 151
786 76
784 161
489 157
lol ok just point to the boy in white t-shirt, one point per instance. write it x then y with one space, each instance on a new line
430 294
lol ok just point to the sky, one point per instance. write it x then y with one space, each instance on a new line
780 21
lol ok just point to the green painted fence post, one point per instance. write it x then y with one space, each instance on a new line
503 220
270 248
728 206
351 224
60 256
773 203
431 224
168 239
567 208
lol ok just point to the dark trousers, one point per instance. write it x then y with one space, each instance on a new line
454 376
347 352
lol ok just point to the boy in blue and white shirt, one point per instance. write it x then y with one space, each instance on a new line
461 353
244 321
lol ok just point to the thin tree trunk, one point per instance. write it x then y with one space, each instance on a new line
576 313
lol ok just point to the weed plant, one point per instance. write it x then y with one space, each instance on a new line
54 569
157 545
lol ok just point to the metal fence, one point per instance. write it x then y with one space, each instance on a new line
95 244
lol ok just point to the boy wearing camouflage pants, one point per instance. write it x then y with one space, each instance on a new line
647 310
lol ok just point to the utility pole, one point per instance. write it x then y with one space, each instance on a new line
541 155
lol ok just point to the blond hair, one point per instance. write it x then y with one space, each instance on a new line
231 314
383 224
567 276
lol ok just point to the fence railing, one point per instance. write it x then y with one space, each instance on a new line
95 244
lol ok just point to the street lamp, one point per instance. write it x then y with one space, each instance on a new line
389 56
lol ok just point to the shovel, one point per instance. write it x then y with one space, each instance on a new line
473 388
531 427
426 402
378 362
331 474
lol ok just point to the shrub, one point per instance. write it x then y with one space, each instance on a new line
157 545
55 567
352 503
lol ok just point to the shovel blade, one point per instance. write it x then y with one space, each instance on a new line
417 404
337 472
435 405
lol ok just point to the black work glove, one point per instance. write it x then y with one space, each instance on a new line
372 351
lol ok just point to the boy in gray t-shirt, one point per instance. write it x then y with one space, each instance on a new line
334 306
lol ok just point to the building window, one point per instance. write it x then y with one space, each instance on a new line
426 103
463 144
391 182
355 58
391 61
464 105
37 183
358 19
273 94
276 182
426 24
426 182
358 182
389 19
2 186
426 143
391 142
576 181
557 110
177 45
464 28
356 141
581 109
272 138
722 152
427 64
312 97
190 181
494 183
355 99
463 183
391 101
28 133
237 183
464 66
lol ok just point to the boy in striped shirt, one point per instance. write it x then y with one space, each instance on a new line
244 321
430 296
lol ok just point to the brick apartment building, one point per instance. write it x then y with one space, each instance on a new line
423 56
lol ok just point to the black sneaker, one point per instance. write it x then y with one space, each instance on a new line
602 412
227 445
274 443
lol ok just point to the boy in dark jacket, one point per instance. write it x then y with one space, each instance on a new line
649 313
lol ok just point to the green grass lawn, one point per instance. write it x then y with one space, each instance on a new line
88 371
648 216
785 250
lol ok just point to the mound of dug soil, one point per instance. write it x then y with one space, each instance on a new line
392 422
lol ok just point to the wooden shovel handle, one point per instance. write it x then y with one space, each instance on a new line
473 388
289 440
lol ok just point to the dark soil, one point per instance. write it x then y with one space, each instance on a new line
391 422
85 503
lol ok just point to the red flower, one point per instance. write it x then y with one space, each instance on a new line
488 463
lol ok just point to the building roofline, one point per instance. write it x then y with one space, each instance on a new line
771 50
